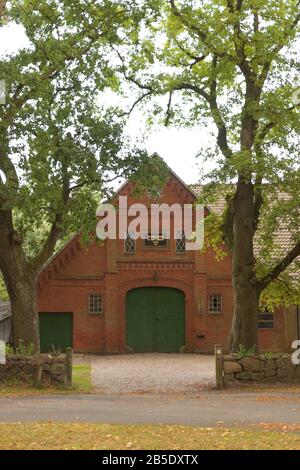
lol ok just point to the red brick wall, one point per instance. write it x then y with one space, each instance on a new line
77 272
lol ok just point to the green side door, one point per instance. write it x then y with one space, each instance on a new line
155 319
56 331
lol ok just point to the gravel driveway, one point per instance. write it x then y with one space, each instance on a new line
152 373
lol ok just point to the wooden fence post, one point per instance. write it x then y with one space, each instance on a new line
219 366
69 365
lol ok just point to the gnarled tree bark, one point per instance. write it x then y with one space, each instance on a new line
20 281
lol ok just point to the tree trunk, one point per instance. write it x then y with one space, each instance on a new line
246 294
21 284
25 325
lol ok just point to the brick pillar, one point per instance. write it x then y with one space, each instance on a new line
113 320
200 299
112 314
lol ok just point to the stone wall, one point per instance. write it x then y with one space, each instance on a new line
46 369
259 368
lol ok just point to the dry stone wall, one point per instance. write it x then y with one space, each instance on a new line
46 369
259 368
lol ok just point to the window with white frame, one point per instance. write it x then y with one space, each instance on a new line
95 303
180 244
129 245
215 303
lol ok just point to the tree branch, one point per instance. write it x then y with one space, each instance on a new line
137 101
270 125
211 99
168 113
216 114
280 267
200 33
196 59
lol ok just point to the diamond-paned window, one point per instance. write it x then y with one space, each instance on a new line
129 245
180 244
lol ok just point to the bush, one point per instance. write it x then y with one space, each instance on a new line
21 349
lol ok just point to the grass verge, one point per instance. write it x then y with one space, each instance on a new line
110 437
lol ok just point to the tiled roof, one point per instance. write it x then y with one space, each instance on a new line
283 239
217 206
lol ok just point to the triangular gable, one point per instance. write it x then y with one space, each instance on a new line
180 181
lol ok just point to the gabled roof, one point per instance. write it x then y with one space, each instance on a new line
283 237
217 206
59 251
189 188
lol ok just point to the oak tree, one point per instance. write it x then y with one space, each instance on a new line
234 64
58 150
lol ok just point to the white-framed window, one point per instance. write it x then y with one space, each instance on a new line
180 244
129 245
215 302
95 303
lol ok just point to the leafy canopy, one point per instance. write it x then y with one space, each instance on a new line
233 66
58 148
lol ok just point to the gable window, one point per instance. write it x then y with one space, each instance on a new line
265 320
155 241
129 246
95 303
181 244
215 303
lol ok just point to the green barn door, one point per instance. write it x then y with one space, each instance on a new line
56 331
155 319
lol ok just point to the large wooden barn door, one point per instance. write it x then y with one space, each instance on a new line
155 319
56 331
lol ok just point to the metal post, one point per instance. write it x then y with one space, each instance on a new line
219 366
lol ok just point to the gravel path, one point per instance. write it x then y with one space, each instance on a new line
151 373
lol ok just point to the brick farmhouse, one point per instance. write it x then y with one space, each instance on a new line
146 295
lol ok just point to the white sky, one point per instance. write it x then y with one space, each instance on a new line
178 147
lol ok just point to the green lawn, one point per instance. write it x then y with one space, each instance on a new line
81 384
103 436
82 378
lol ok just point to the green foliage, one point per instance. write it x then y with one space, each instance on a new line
151 174
9 350
242 352
59 149
3 291
269 355
21 349
233 65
